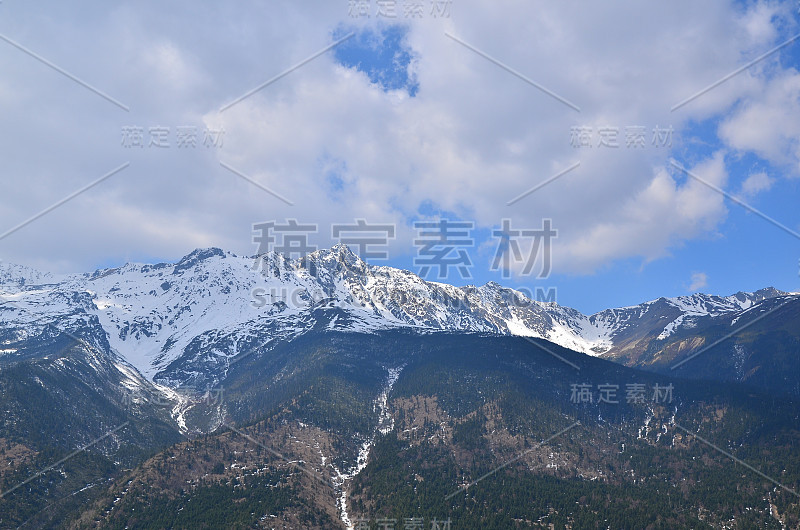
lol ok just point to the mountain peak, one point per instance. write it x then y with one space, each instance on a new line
339 252
342 247
757 296
769 292
343 251
196 256
204 253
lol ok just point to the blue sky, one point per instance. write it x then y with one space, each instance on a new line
411 119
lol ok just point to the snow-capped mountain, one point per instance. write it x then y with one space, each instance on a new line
178 322
659 319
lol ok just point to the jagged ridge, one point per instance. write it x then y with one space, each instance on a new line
182 323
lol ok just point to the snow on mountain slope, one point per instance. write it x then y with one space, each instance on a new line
174 321
703 305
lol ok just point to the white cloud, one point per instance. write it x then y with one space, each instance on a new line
655 219
473 138
759 21
698 281
756 183
769 124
